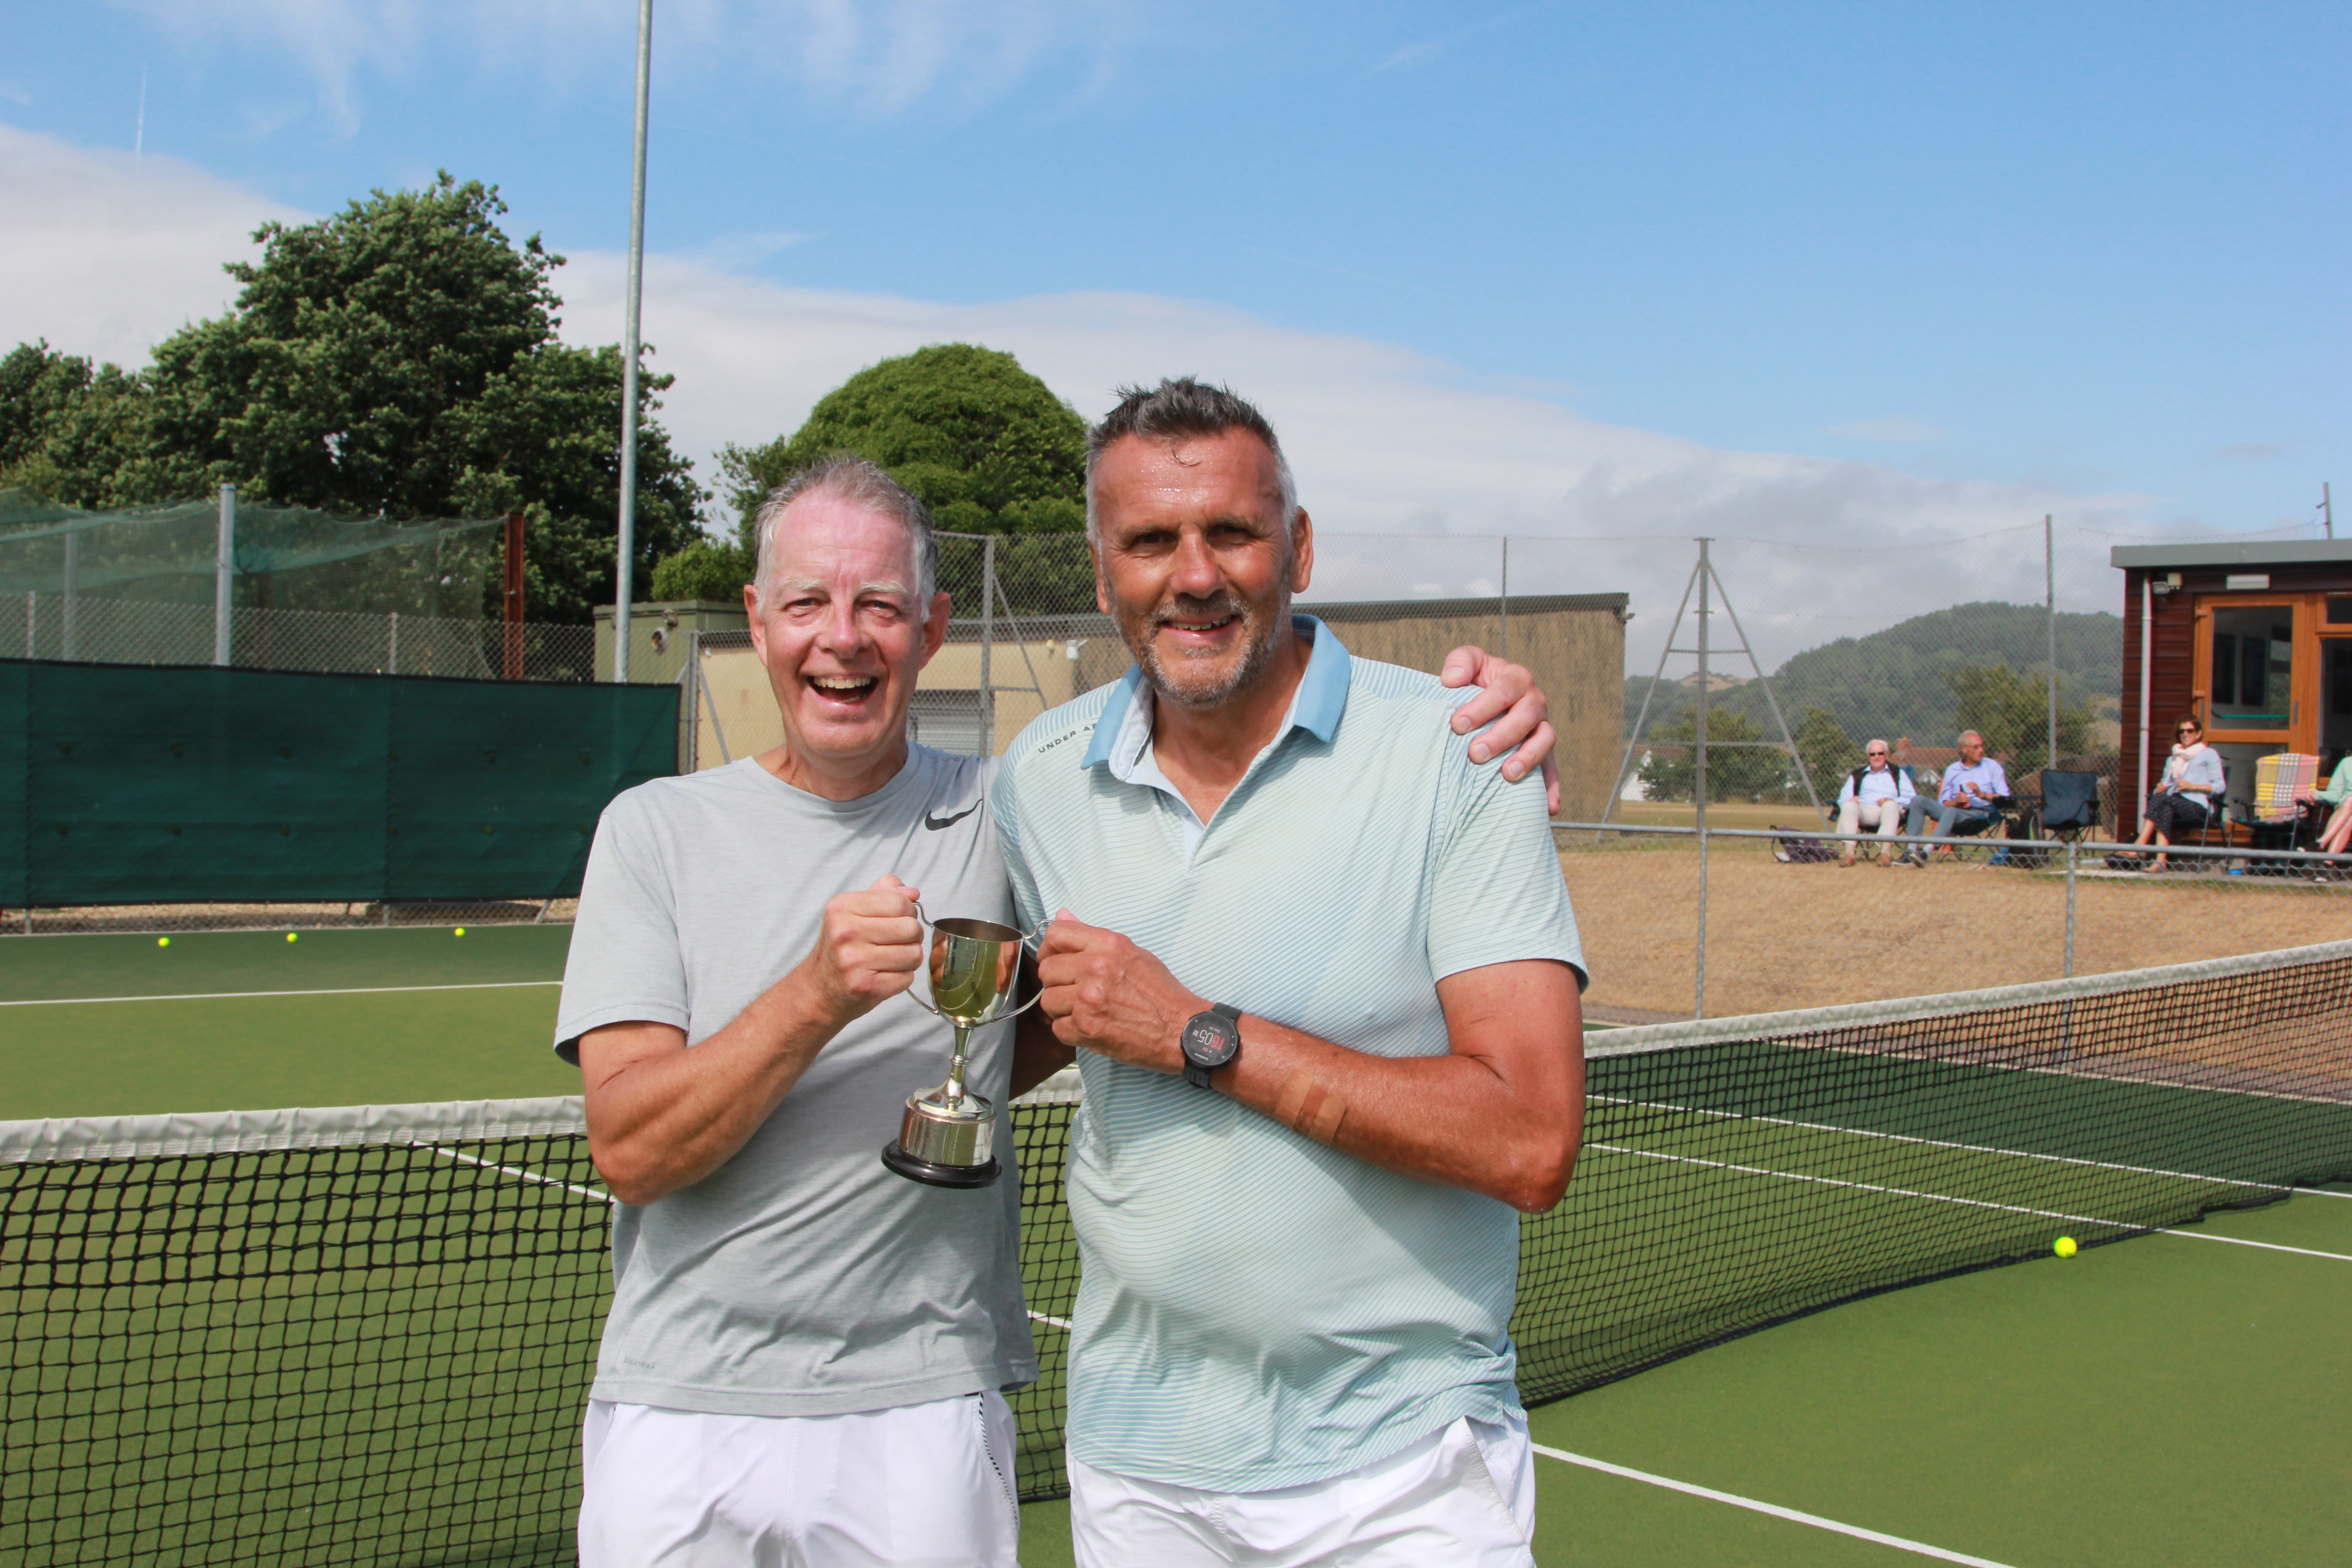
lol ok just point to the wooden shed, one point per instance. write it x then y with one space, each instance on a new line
2253 640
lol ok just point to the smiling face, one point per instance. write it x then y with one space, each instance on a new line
1195 565
837 624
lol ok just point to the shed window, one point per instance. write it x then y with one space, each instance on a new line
2339 612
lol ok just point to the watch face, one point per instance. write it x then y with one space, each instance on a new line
1209 1040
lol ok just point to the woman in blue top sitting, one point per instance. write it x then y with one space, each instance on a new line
2192 783
2338 794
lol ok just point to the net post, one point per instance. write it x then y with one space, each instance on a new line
224 570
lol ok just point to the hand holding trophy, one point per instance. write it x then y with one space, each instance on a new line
948 1137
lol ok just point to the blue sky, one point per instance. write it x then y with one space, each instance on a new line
2032 255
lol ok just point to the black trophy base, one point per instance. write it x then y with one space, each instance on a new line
933 1175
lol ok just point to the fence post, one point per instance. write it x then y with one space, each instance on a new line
1504 599
987 636
1698 780
2050 594
73 595
32 614
224 568
392 659
2070 909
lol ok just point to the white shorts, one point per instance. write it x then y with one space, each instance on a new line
922 1486
1465 1495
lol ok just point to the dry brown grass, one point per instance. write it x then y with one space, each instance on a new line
1783 936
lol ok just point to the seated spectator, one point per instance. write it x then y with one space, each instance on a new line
1875 796
2337 794
1967 802
2184 799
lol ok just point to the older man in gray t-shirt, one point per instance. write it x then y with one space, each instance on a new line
805 1352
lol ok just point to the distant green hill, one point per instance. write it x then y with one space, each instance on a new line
1891 683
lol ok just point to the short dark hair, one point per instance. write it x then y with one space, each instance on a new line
851 477
1177 410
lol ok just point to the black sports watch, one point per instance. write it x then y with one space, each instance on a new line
1211 1039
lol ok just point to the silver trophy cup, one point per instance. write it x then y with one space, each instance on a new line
948 1136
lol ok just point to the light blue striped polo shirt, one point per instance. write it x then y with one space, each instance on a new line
1257 1310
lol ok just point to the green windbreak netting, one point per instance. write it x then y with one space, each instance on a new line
287 558
121 785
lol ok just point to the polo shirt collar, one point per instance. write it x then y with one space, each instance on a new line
1124 732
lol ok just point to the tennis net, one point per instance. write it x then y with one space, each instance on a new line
366 1336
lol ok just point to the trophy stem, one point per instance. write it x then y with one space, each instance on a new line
954 1095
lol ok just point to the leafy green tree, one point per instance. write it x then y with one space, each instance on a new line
1829 753
2011 712
710 570
38 387
1733 773
987 446
396 359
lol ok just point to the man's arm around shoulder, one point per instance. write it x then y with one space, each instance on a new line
662 1117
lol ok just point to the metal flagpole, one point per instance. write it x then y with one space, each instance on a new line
623 590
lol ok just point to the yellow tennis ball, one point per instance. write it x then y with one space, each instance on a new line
2064 1246
291 937
461 931
162 942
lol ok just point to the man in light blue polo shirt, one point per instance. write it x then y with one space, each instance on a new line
1325 977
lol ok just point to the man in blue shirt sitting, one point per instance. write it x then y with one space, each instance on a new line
1969 801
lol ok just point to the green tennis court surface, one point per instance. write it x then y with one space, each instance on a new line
114 1026
2168 1401
367 1336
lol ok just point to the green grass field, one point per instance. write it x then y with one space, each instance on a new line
2167 1398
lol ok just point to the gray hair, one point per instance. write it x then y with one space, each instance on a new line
846 476
1874 741
1179 410
1978 734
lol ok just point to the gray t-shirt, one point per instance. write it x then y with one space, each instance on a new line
802 1278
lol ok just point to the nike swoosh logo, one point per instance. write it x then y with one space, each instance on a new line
935 823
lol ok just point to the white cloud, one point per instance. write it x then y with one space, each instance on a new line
1387 443
103 253
874 57
1411 468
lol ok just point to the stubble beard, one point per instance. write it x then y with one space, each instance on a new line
1183 680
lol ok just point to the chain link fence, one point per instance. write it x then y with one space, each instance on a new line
130 631
1680 924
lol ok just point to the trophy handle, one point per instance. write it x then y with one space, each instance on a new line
924 922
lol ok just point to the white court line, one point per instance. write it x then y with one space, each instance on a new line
526 1175
1061 1323
1940 1143
1965 1203
235 995
1775 1510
